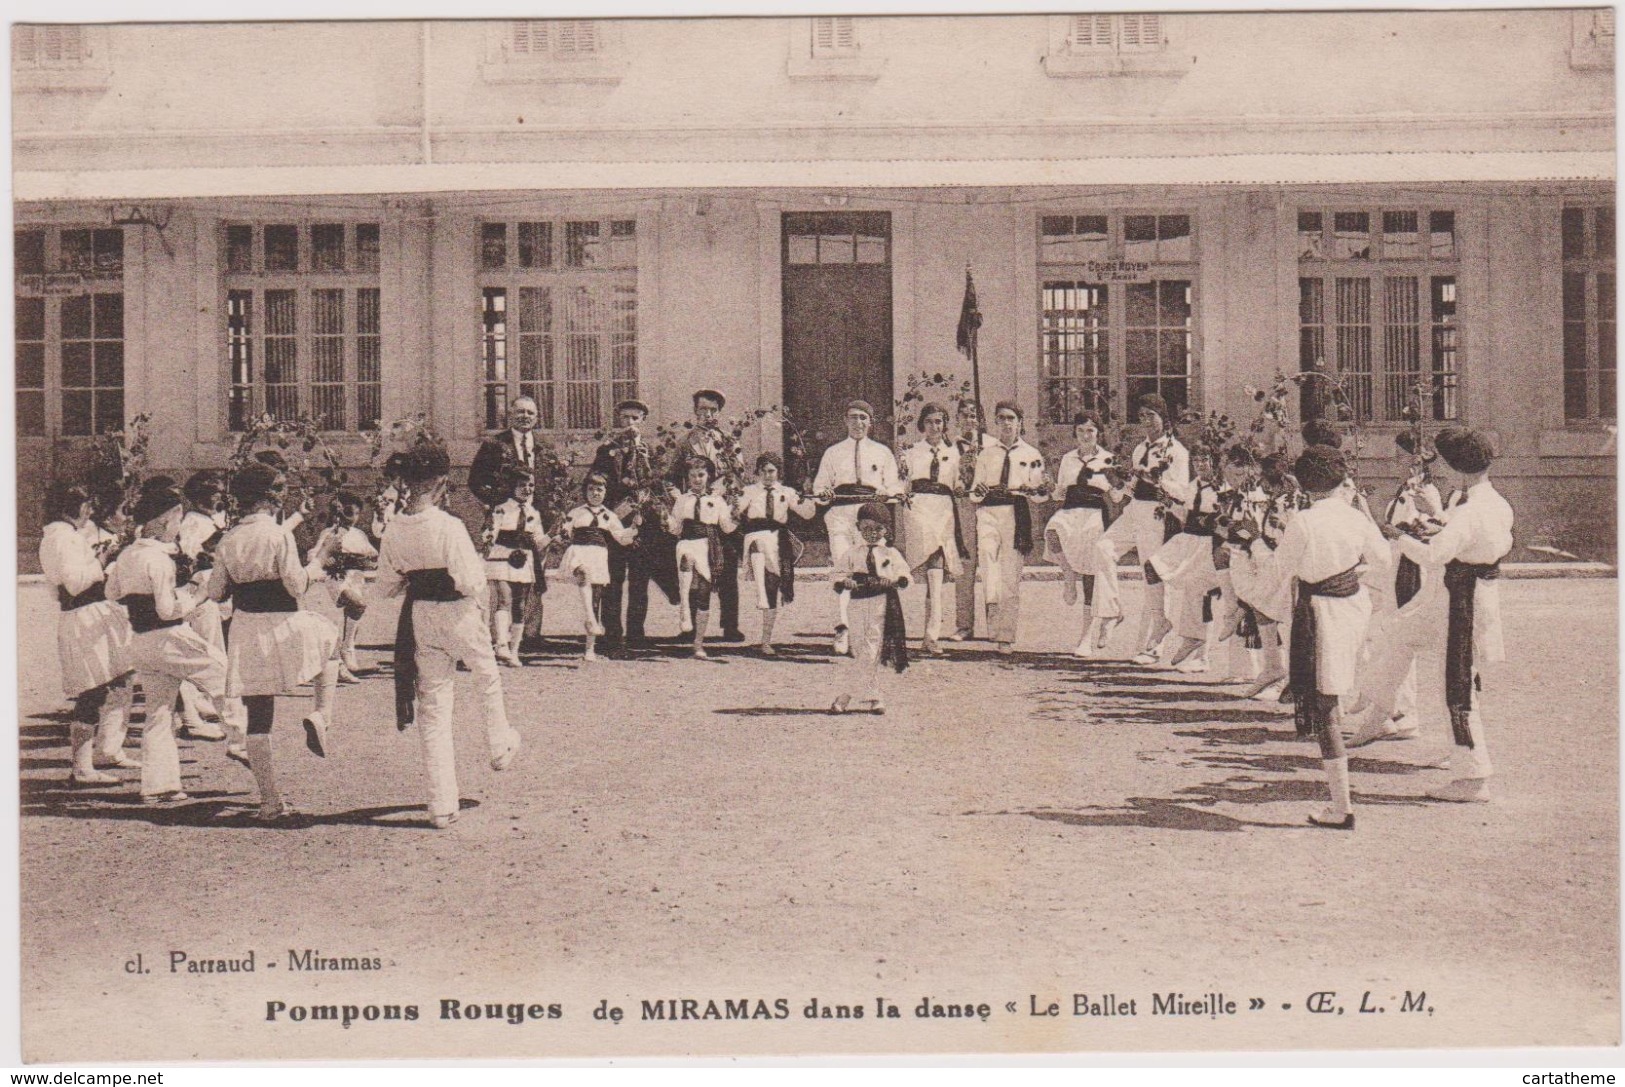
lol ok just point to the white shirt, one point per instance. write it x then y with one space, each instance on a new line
1330 537
147 568
601 517
753 503
1176 477
1026 467
915 462
712 511
257 549
67 558
196 529
889 562
429 540
848 463
1403 510
1479 530
1072 470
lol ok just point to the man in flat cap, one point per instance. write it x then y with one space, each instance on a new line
852 472
625 462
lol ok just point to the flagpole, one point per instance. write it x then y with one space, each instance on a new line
975 371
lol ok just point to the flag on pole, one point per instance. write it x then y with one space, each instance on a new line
970 318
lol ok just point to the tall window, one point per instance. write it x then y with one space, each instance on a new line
559 318
69 331
1589 347
302 324
1377 306
1118 311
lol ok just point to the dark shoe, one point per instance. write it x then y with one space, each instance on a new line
733 636
1346 823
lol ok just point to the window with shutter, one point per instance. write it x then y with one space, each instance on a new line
1132 43
834 36
553 50
59 57
1591 44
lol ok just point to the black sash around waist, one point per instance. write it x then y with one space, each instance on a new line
433 585
589 536
931 486
514 537
1201 524
759 524
1081 496
143 611
696 530
1407 581
1146 491
262 596
852 494
93 595
1308 708
1461 583
1024 515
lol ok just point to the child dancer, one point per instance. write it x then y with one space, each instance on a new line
274 646
1083 486
932 539
697 519
763 512
1388 686
1476 537
512 563
1269 507
1185 565
591 529
200 530
163 650
1237 623
873 573
92 639
342 555
1327 551
428 555
1161 468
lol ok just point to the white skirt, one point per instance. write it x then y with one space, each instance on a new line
182 653
503 570
1138 528
591 560
1340 630
1186 562
1259 586
1078 531
696 553
767 543
273 652
93 646
928 527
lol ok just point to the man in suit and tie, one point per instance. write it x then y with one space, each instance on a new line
503 450
488 482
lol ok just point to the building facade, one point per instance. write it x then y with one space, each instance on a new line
356 222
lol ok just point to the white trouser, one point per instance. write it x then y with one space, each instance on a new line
446 632
1000 565
867 631
1140 530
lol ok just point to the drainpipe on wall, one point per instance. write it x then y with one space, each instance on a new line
423 39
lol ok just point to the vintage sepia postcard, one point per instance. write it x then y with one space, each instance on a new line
837 534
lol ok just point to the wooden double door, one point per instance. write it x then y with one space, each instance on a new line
837 278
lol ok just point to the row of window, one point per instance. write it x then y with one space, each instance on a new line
302 330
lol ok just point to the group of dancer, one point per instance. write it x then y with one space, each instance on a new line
1271 569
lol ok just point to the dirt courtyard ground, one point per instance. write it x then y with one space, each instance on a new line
1015 833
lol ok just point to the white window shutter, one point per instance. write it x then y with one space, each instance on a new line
834 35
1091 32
24 50
1602 27
1141 32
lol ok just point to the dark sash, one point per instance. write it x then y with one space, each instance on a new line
515 538
143 610
435 585
1308 708
1146 491
1024 516
853 494
1407 581
930 486
589 536
93 595
894 633
1461 583
698 530
1247 627
262 596
1081 496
